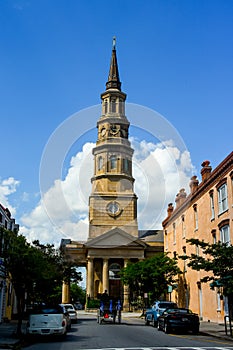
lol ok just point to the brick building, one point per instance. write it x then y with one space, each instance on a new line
7 298
205 214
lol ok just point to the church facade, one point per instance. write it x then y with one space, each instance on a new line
114 238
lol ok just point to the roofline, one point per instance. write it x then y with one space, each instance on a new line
215 175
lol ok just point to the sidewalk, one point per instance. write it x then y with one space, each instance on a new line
215 330
8 339
206 328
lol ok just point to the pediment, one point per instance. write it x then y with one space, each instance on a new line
116 237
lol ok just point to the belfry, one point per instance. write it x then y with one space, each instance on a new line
113 239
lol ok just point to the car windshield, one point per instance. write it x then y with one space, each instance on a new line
184 311
165 305
69 307
177 310
48 310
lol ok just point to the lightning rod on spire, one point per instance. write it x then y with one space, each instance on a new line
114 43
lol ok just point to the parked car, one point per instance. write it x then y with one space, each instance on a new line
48 320
71 311
152 314
78 306
178 319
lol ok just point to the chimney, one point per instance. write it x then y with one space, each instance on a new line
170 209
183 195
180 197
177 200
206 170
193 184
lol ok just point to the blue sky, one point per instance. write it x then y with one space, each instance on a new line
175 57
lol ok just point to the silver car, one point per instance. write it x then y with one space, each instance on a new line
71 311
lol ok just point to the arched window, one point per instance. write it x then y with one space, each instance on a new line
125 165
114 270
113 104
222 198
225 232
121 106
100 163
113 162
105 107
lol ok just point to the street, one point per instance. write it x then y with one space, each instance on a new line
130 334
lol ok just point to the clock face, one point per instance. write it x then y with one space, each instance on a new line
114 129
113 209
103 131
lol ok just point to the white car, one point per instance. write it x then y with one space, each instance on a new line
71 311
47 321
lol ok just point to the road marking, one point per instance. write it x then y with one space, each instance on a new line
168 348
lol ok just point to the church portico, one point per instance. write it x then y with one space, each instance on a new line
106 256
106 278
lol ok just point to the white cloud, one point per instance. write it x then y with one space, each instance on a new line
164 171
8 187
160 170
25 197
63 210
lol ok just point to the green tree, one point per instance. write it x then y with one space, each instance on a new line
36 270
218 259
152 275
22 264
58 269
77 293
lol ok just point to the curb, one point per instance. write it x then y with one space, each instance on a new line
15 346
216 335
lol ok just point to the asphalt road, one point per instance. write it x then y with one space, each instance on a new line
130 334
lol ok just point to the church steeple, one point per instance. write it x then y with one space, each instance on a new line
112 202
113 76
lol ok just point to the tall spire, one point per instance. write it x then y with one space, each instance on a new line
113 76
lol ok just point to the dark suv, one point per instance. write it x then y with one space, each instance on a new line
156 310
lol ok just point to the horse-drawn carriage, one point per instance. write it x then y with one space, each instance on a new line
109 311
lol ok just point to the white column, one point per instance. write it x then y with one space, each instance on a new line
65 293
105 276
126 291
90 278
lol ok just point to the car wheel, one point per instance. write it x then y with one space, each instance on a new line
195 330
155 323
167 328
63 336
146 322
159 327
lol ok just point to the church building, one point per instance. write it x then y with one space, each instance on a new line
114 238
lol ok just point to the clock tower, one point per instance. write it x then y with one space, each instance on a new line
114 239
112 202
